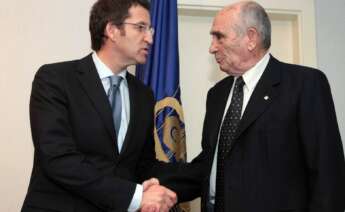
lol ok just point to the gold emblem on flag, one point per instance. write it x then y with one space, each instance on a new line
173 135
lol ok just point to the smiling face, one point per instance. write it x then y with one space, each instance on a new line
133 40
229 42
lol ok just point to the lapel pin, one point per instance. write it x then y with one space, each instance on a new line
266 98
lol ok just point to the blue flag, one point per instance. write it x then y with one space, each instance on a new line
161 73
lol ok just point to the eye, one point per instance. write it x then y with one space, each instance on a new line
142 28
218 36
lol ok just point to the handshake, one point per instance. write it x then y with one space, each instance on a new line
156 198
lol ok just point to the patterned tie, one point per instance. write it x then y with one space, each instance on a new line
227 134
114 97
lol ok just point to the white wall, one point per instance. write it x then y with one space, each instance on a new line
330 42
33 32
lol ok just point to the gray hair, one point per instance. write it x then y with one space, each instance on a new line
254 15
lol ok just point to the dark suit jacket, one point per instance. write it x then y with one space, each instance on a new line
77 166
287 155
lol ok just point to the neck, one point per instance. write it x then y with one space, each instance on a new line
111 60
255 58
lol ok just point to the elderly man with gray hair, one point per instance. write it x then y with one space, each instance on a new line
270 139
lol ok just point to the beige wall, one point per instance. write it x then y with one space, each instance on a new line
34 32
330 35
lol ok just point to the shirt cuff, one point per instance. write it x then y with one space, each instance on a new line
136 200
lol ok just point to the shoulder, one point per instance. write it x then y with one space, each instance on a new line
56 71
139 86
58 67
55 75
297 74
298 70
221 86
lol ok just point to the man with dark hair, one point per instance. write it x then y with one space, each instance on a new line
114 12
92 122
270 139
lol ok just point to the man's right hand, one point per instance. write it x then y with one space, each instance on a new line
157 198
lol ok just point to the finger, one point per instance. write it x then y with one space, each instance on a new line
145 209
155 208
155 181
164 208
149 208
165 196
168 202
172 195
148 183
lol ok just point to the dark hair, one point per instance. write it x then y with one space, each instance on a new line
113 11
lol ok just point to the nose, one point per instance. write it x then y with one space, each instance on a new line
213 47
149 38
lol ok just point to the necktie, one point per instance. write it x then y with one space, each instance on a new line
114 97
227 134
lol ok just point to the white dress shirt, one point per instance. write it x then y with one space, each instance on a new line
104 73
251 78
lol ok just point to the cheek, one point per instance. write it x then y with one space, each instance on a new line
228 51
234 52
137 45
229 54
134 49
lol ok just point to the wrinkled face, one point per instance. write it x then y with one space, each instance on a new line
134 39
229 44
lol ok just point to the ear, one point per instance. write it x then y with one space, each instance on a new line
111 31
253 38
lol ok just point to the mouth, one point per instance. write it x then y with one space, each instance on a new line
219 60
145 50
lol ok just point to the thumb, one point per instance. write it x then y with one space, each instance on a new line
148 183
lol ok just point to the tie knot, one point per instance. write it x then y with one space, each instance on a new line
115 80
239 82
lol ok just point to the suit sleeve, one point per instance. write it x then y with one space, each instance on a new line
57 153
180 177
147 159
187 179
322 145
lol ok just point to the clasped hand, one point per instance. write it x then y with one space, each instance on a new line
156 198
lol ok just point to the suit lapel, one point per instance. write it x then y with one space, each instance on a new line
264 94
91 83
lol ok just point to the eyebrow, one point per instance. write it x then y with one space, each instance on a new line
217 34
143 23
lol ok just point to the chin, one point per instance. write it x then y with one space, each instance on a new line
223 69
141 60
229 72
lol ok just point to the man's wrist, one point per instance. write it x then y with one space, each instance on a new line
136 199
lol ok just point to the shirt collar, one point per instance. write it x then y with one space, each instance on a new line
104 71
252 76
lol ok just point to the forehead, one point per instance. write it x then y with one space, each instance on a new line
226 18
223 21
138 14
220 22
